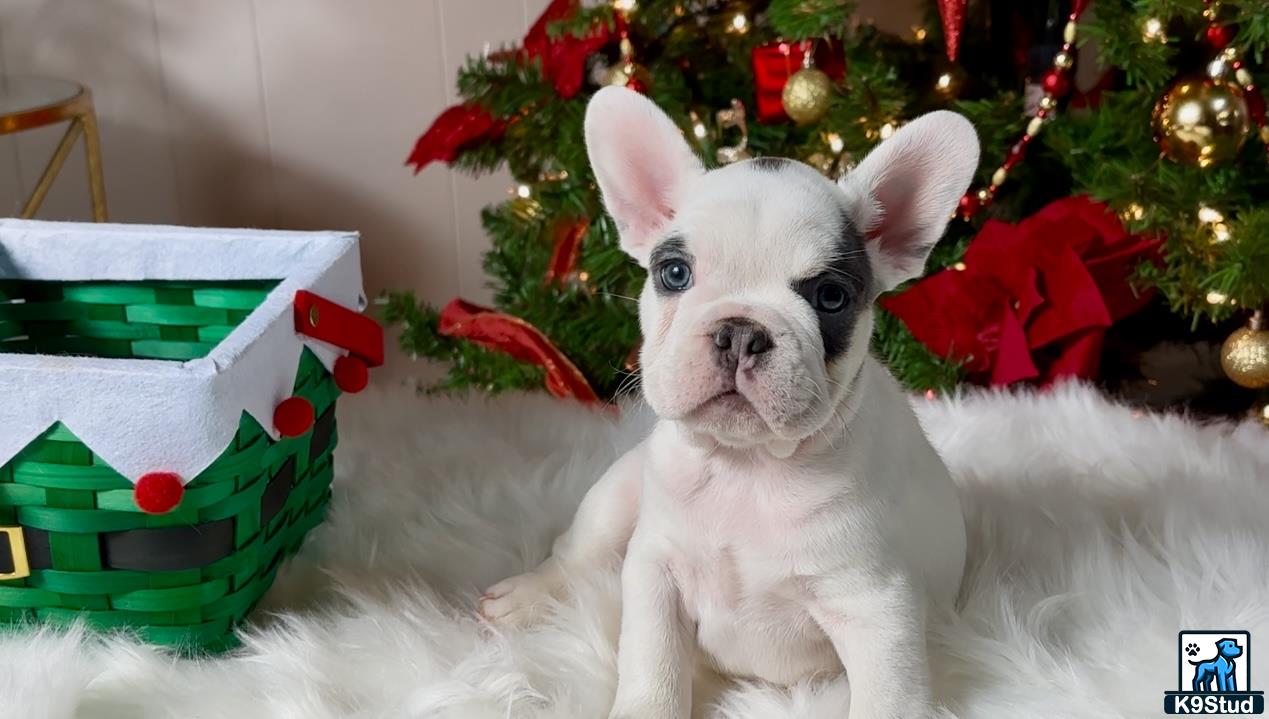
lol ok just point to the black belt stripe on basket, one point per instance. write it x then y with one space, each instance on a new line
163 549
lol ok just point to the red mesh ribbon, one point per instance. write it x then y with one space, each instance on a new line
774 63
568 236
519 339
1035 298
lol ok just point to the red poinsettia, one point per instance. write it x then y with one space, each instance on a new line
563 62
1033 300
457 128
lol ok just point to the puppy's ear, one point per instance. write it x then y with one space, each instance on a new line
641 162
905 190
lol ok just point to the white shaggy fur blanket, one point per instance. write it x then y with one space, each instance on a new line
1095 535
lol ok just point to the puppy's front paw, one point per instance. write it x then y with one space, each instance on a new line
520 600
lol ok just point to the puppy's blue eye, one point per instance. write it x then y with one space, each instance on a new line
831 297
675 275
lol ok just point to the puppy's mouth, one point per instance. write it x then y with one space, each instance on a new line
728 399
724 405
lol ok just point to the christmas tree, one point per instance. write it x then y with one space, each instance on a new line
1105 220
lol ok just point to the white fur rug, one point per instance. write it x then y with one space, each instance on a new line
1095 535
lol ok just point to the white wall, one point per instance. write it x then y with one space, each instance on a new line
274 113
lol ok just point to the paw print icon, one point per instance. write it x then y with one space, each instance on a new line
1192 649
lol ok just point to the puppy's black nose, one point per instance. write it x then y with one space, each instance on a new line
738 339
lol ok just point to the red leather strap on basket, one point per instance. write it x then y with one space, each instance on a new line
321 319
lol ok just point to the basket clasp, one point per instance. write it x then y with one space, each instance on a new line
17 550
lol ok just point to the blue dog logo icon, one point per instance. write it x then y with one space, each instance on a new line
1213 670
1217 674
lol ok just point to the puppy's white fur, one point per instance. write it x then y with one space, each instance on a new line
786 517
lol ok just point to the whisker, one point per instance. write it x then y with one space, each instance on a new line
620 297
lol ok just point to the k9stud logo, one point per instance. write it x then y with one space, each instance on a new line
1213 671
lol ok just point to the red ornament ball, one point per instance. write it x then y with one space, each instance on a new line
351 374
968 205
158 492
1219 36
293 416
1056 83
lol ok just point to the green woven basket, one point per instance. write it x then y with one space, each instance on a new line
246 512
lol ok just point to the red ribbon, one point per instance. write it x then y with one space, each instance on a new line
568 236
519 339
1034 299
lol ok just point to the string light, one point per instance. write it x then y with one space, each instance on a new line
1134 212
835 143
1209 216
698 129
919 33
944 82
740 23
1220 233
1216 298
624 6
523 191
1152 30
959 266
887 130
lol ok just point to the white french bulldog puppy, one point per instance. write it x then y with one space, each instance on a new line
786 517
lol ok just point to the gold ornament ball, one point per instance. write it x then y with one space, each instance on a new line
821 162
806 95
1245 357
1201 121
626 72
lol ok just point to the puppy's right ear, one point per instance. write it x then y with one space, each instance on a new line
641 162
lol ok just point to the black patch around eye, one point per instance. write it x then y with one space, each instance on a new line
851 271
671 250
769 164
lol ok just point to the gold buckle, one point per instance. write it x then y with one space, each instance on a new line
17 549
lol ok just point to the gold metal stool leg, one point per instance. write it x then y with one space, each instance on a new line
50 171
96 181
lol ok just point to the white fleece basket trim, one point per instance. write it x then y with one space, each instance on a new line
143 416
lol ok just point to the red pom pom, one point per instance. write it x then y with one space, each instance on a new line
1056 83
1219 36
293 416
351 374
158 492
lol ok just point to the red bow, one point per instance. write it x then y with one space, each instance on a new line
1033 300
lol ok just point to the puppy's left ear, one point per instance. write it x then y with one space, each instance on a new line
641 162
905 190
